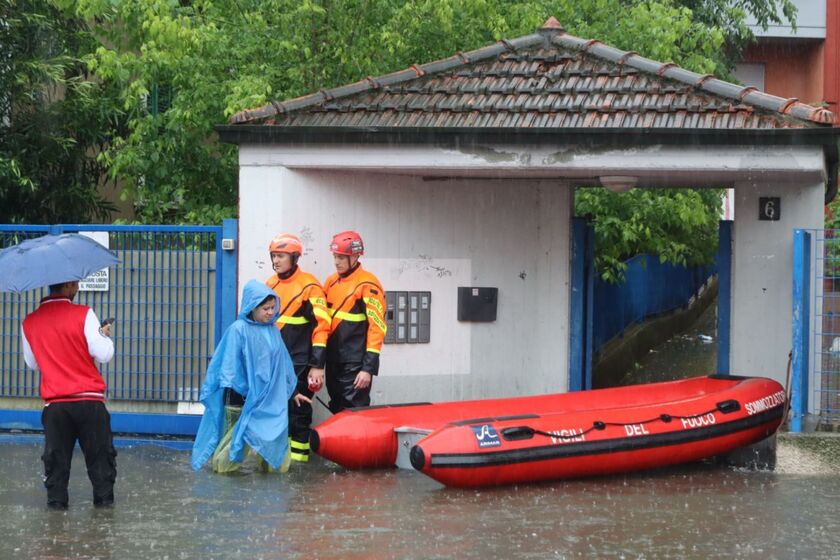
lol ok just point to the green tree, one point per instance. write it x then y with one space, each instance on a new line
678 225
730 17
214 59
54 119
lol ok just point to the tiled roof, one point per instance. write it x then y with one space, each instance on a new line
547 80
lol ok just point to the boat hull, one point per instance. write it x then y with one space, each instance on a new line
734 413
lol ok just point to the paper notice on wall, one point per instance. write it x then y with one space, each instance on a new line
98 281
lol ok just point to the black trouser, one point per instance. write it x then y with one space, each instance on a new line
340 379
300 417
232 398
90 424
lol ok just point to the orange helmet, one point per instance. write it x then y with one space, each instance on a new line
286 243
347 243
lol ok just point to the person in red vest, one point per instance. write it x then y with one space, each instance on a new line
62 340
356 301
304 324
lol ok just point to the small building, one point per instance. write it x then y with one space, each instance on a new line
460 175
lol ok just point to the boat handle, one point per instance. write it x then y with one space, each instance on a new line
729 406
517 433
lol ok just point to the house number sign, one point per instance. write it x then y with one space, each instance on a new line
769 208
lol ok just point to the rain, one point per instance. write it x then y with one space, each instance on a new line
165 510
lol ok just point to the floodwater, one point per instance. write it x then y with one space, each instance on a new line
688 354
164 510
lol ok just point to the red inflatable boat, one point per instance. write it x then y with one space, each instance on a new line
367 437
717 415
360 438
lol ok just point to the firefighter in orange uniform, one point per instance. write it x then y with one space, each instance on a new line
356 303
304 324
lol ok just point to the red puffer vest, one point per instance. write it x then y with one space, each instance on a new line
56 333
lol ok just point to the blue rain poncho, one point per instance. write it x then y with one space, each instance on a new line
252 360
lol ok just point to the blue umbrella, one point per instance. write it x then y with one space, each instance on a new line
51 259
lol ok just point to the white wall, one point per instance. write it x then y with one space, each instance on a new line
762 265
434 236
810 22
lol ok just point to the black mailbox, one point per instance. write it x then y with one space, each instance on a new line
477 304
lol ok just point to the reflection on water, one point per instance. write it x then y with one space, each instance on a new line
164 510
688 354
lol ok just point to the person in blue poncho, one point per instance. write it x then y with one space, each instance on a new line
252 363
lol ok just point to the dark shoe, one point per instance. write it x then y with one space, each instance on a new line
103 503
57 505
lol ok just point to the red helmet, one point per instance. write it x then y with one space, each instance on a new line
286 243
347 243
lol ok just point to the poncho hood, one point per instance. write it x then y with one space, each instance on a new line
252 295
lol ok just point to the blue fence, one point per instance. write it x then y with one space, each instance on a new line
168 296
650 288
815 378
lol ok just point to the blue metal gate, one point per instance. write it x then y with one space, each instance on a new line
601 311
815 381
171 296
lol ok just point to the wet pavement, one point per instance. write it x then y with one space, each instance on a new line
165 510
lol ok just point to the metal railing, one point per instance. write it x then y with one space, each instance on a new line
825 324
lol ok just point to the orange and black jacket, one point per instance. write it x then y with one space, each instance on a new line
304 321
357 305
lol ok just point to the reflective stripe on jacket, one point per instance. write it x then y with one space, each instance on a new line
304 321
357 306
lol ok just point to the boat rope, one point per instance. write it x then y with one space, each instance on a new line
524 432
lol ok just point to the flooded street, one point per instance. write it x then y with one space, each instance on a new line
166 511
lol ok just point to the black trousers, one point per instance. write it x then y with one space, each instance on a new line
340 378
300 417
89 423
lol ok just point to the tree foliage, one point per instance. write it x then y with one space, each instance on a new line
678 225
54 118
731 16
